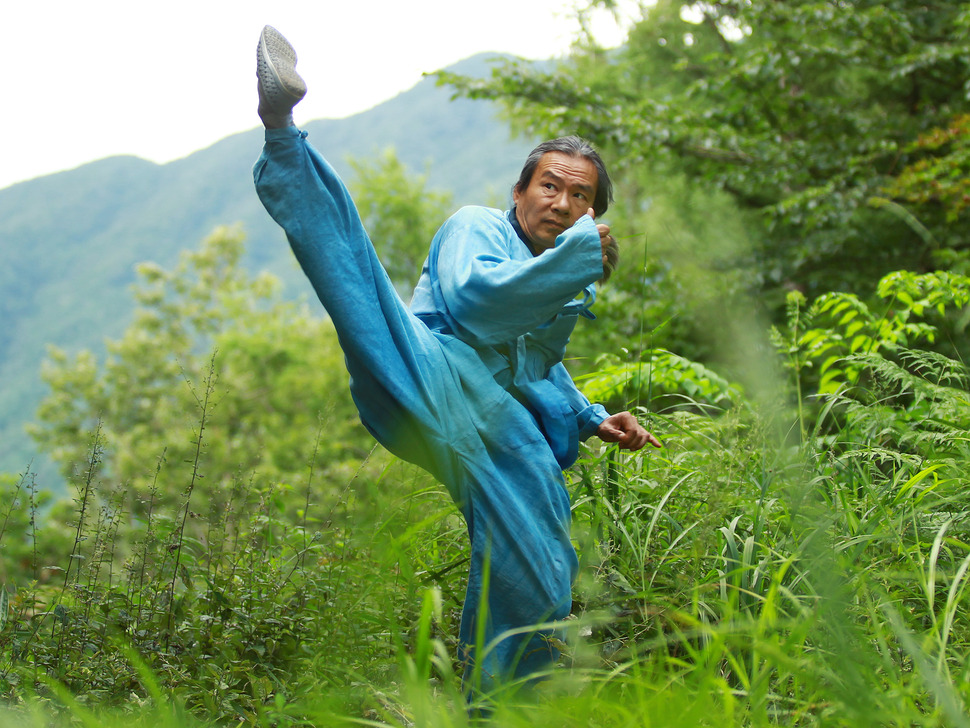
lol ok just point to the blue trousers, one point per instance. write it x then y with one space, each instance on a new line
428 398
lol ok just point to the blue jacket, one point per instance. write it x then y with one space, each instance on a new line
482 284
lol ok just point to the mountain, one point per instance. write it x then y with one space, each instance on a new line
69 242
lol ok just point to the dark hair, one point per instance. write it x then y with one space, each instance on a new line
574 146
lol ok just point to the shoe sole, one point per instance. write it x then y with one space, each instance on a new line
276 62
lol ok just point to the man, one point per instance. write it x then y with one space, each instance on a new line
468 382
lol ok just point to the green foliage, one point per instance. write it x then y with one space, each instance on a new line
729 579
834 337
279 380
938 178
804 112
676 286
660 380
401 215
883 382
740 575
20 549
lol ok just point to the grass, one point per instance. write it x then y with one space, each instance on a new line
731 579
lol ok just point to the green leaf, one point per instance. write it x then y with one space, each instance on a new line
859 342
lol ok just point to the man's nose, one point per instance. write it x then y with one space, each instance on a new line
561 202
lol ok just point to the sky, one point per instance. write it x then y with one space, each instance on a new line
87 79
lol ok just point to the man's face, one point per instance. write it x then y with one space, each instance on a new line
561 191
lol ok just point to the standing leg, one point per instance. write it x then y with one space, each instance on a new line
518 518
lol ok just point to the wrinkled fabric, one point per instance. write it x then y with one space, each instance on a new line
467 383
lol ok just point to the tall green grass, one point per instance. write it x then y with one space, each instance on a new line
740 576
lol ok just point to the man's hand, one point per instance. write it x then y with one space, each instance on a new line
623 429
611 251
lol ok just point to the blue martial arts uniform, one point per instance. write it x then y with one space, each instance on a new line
468 383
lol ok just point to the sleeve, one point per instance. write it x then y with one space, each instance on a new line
588 416
495 297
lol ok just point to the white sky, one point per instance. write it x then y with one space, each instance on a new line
87 79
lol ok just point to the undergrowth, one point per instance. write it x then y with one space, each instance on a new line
767 567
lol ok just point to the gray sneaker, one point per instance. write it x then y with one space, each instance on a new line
280 86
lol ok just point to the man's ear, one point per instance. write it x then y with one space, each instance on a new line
515 195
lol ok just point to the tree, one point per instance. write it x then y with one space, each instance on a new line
804 112
936 187
278 385
400 214
210 345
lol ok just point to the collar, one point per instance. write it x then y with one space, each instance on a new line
518 230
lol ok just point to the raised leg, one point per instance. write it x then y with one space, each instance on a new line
429 399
